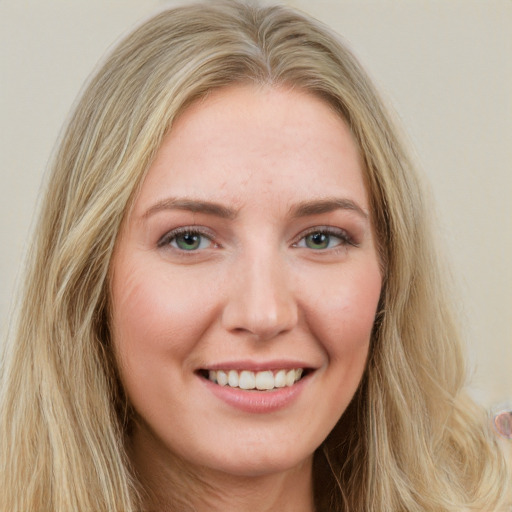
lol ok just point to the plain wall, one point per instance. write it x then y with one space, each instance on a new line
445 66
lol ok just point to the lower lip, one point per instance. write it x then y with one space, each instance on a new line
258 402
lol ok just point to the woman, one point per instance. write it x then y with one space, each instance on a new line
234 301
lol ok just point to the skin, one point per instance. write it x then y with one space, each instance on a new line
256 290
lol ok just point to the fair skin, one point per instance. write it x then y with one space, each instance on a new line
249 248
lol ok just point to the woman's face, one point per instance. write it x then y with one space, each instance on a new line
247 261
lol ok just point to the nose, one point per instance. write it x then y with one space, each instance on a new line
261 302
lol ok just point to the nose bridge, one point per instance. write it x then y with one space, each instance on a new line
261 301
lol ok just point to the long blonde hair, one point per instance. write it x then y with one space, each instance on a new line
410 440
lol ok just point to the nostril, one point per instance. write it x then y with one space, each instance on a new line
261 303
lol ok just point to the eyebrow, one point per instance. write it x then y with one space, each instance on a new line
192 205
316 207
303 209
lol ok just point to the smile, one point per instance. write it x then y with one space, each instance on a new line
263 380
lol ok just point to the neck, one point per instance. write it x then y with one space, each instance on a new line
171 485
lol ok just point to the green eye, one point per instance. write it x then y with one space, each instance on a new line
317 240
188 241
325 238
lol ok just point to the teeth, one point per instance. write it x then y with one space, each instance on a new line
222 378
280 379
247 380
264 380
233 378
290 377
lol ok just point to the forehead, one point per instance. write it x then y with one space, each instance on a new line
242 140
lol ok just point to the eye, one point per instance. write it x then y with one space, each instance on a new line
186 240
324 238
319 240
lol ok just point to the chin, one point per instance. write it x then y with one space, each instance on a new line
262 466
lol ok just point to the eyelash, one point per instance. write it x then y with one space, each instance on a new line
341 234
169 237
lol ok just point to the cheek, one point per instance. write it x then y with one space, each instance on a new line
155 315
343 314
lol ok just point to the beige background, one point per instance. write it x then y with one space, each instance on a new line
446 66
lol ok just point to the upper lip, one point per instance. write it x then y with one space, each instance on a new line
257 366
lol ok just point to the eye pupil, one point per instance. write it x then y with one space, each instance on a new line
317 240
188 241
